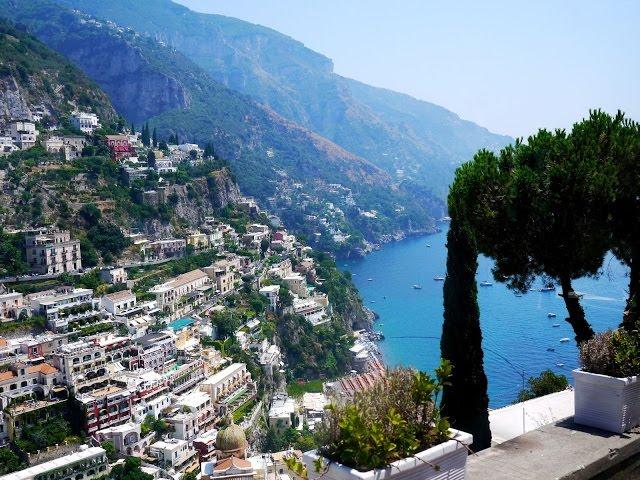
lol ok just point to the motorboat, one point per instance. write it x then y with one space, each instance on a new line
417 287
555 325
486 283
548 288
564 340
551 315
439 279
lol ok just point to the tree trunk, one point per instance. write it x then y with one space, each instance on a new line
464 400
631 316
576 317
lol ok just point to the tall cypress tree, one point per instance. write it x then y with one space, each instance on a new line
133 128
144 137
464 400
155 137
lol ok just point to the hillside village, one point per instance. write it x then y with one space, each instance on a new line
197 353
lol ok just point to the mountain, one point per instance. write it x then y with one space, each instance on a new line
296 170
33 75
409 138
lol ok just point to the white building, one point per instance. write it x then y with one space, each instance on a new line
174 454
84 121
172 292
52 251
282 413
65 305
11 305
113 275
7 146
311 310
226 381
126 438
86 464
118 302
272 294
23 133
297 284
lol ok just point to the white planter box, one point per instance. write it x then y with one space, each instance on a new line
450 457
609 403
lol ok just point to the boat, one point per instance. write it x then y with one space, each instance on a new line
551 315
428 245
550 349
417 287
486 283
439 279
564 340
555 325
518 294
373 301
559 364
369 279
548 288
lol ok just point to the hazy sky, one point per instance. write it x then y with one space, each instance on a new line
511 66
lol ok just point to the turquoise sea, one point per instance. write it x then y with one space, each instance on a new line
517 330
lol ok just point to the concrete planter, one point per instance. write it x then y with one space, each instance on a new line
609 403
450 457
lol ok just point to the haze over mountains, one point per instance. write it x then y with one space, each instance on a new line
274 108
406 137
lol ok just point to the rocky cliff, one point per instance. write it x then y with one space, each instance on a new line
32 75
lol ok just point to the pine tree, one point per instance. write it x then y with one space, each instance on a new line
464 400
155 137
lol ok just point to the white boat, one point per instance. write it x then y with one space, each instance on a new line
564 340
417 287
486 283
369 279
559 364
518 294
439 279
548 288
428 245
551 315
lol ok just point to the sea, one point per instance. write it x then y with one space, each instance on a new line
520 337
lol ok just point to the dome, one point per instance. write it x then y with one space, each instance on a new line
232 440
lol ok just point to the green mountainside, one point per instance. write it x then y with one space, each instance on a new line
31 74
407 137
271 157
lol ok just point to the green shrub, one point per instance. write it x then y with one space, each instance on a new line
394 419
544 384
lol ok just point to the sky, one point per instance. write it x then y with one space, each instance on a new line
511 66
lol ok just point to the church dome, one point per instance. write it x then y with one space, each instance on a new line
232 441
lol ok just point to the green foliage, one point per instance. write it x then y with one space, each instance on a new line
9 461
298 389
544 384
616 354
110 449
12 254
289 438
151 424
308 348
243 410
37 437
394 419
108 239
129 471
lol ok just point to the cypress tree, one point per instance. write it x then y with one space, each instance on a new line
464 400
133 128
155 137
144 137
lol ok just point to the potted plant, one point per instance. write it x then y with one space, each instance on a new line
607 387
392 430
